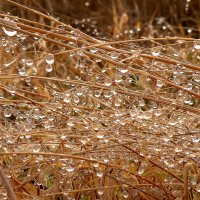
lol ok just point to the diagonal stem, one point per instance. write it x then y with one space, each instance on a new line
7 186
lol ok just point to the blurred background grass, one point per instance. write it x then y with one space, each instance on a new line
119 18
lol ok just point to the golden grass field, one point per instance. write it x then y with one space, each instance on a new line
99 100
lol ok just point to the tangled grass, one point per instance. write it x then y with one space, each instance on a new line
87 118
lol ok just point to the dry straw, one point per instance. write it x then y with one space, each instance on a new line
85 118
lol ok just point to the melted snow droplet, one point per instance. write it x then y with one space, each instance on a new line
21 71
197 45
9 32
49 68
7 112
114 55
124 70
100 191
70 168
50 59
159 83
36 148
108 82
67 98
70 122
197 78
87 3
125 194
11 89
118 78
155 52
93 50
188 100
198 187
141 168
1 94
29 62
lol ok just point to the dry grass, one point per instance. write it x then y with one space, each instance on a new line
88 117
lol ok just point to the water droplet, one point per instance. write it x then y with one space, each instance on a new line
114 55
189 86
125 194
108 94
9 32
1 94
70 122
70 168
108 82
118 78
11 89
169 162
87 3
28 79
80 92
50 59
100 135
76 99
117 102
188 100
7 112
172 122
178 149
159 83
147 115
93 50
34 71
198 187
47 124
97 93
196 78
67 97
29 62
22 71
124 70
95 165
36 148
141 103
155 52
49 68
141 168
27 127
83 140
100 191
197 45
100 173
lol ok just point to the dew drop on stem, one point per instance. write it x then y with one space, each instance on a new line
22 71
29 62
125 194
7 112
50 59
36 148
155 52
159 83
197 45
49 68
9 32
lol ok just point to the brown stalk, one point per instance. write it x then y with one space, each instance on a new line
79 158
7 186
164 101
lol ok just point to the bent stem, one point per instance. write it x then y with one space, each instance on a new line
7 186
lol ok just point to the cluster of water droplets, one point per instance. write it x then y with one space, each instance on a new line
96 112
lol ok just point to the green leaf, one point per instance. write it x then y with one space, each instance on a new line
48 181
